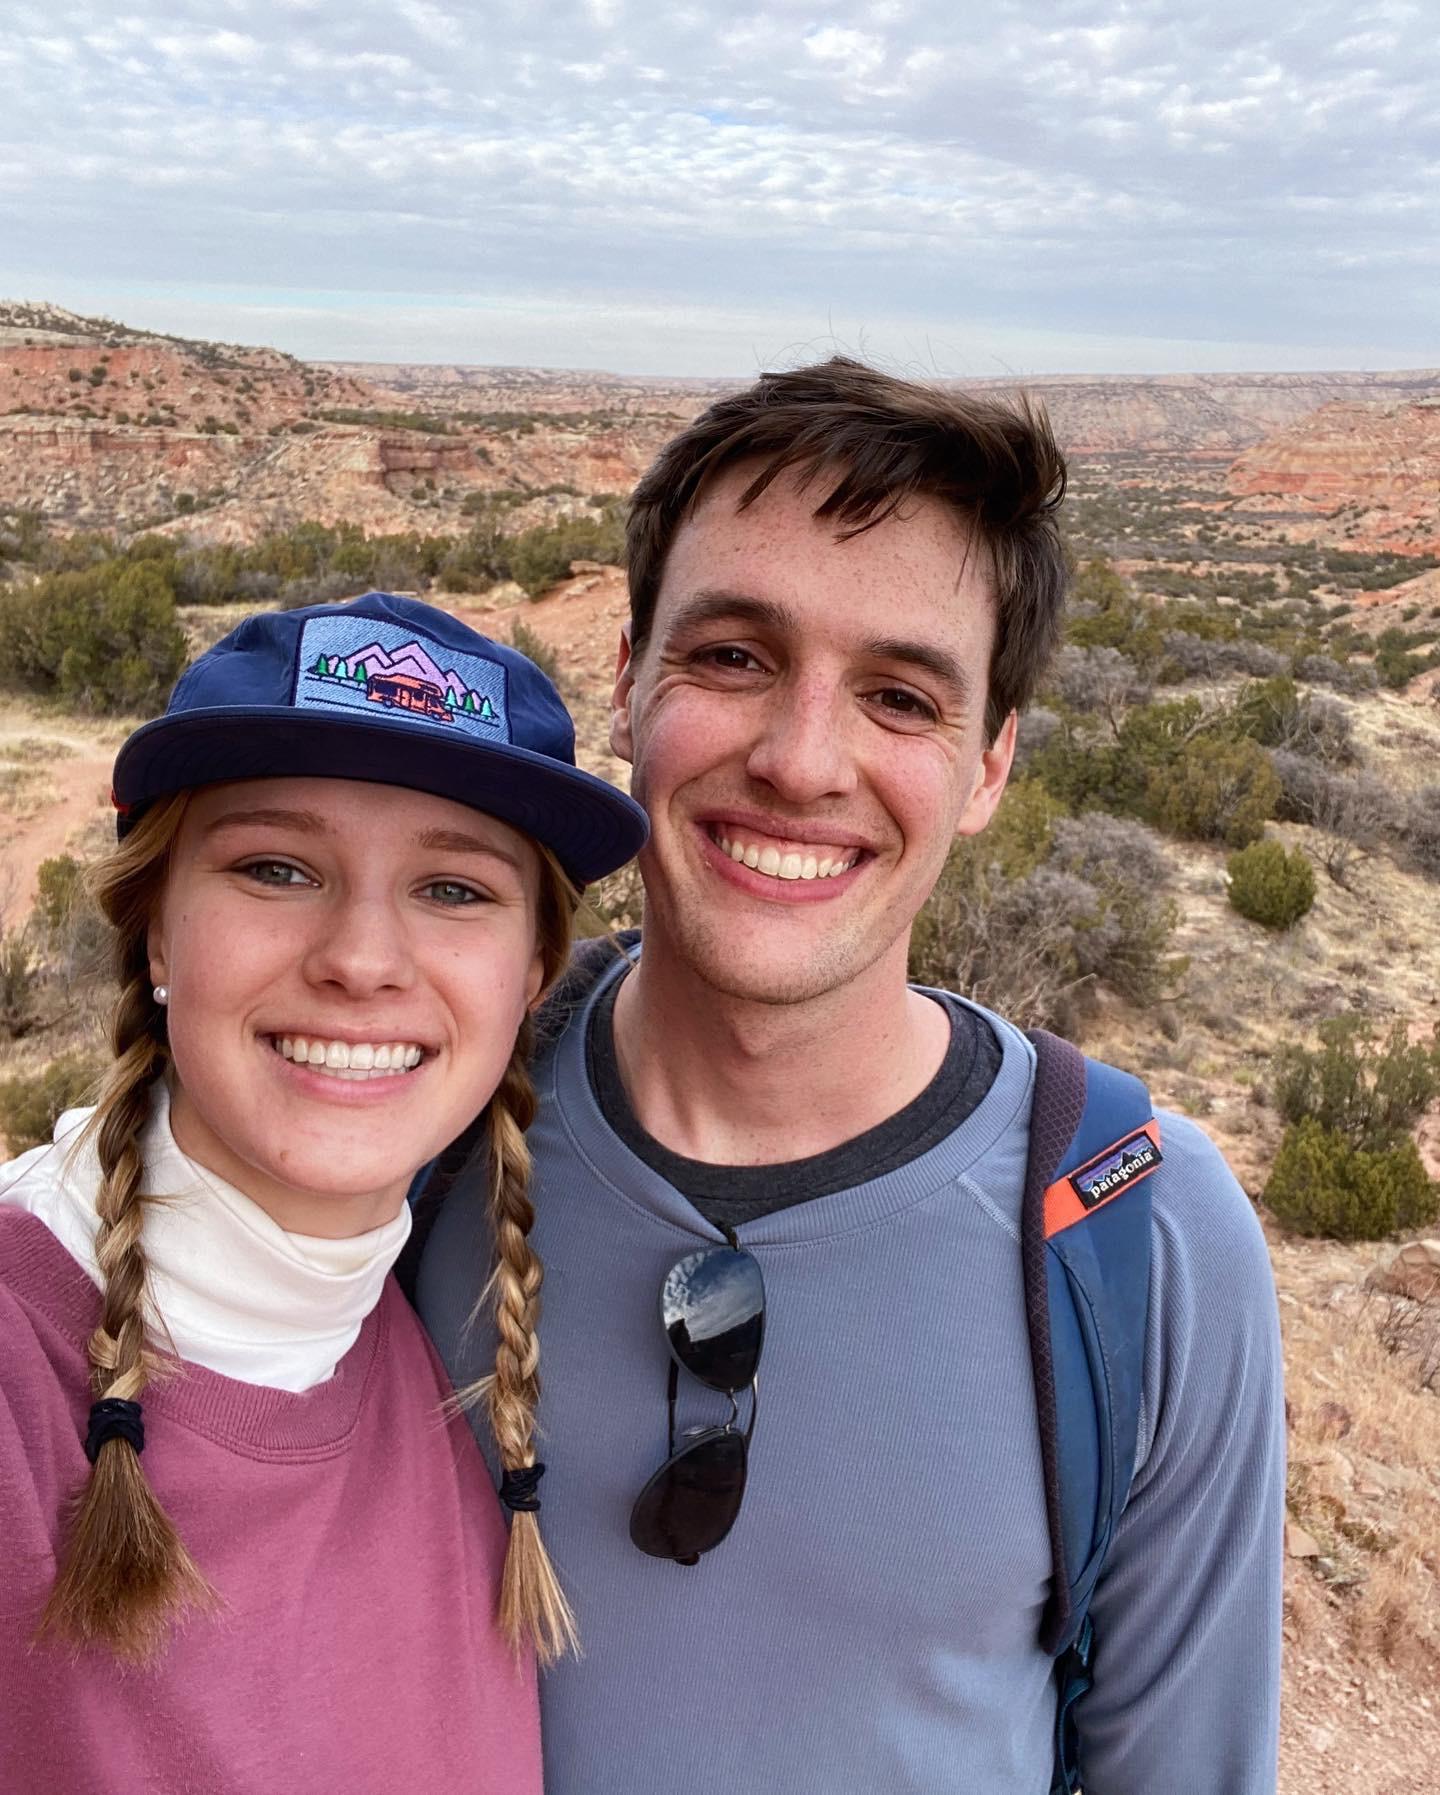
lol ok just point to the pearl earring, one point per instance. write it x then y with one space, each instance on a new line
162 994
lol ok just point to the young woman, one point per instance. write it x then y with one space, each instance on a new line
243 1546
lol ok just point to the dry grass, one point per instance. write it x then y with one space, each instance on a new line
25 791
34 750
1364 1468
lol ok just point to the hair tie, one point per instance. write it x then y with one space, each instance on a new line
519 1489
113 1418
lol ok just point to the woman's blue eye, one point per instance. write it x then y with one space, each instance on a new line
275 872
451 891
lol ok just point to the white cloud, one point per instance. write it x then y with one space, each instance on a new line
1060 166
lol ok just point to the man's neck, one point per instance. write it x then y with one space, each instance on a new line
729 1081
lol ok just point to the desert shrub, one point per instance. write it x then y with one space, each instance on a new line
330 588
1105 613
531 643
1370 1089
541 557
1396 663
1323 1184
31 1102
1270 886
1324 731
1188 656
1275 713
1126 942
67 920
58 884
1086 772
19 984
1340 676
479 558
1217 789
1097 679
105 638
1355 811
1031 914
1420 830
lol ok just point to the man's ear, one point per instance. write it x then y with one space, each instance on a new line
622 743
990 776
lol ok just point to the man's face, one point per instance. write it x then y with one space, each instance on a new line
805 725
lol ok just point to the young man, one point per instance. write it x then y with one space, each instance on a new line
844 588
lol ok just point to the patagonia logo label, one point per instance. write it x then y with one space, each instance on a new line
384 670
1121 1165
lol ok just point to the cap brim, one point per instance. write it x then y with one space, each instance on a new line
591 827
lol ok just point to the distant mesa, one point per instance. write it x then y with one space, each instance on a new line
409 679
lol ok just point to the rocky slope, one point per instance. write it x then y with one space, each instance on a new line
104 426
1361 474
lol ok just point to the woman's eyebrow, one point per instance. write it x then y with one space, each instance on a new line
308 822
456 841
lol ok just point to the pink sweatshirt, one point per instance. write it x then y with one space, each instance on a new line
354 1537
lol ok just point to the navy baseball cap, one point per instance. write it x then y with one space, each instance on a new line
386 689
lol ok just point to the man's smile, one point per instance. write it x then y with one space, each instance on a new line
780 857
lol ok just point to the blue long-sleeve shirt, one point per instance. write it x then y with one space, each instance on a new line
871 1622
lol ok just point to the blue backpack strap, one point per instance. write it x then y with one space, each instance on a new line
1085 1244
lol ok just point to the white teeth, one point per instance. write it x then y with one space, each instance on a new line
789 865
342 1060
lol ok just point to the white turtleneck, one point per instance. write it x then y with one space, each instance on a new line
234 1291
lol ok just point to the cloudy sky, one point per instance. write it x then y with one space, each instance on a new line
704 187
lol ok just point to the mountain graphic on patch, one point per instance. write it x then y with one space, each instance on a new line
384 670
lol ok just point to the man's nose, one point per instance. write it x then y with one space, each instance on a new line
804 751
361 945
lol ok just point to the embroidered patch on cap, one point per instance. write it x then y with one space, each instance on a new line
1118 1167
364 665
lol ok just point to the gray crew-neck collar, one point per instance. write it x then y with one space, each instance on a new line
565 1084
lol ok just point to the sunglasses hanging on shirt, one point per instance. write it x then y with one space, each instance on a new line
712 1308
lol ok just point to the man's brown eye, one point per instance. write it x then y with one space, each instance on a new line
903 703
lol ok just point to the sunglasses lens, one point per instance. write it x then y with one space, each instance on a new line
712 1307
691 1502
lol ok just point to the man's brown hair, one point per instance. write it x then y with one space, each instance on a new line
873 442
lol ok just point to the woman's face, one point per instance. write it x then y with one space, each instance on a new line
348 965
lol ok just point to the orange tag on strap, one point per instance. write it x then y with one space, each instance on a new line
1081 1192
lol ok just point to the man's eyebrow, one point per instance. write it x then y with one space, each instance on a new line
717 605
925 655
456 841
308 822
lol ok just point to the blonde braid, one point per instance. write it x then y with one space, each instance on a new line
533 1606
125 1574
